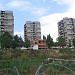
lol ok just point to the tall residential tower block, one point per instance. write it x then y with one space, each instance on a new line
6 22
32 30
66 29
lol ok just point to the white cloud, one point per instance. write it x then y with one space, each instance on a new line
49 22
20 4
63 1
27 6
39 11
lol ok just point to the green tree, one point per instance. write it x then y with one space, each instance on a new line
17 42
27 43
5 40
55 44
44 38
21 42
74 42
61 41
49 41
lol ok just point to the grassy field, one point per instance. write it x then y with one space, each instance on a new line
26 62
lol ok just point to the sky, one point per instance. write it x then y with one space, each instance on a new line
47 12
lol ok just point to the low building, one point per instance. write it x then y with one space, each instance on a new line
40 43
35 47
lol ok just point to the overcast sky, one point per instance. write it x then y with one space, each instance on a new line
48 12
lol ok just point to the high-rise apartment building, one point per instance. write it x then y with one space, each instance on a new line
66 29
6 22
32 30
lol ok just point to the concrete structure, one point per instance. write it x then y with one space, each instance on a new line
6 22
35 47
32 30
41 44
66 29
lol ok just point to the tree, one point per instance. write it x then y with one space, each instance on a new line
21 43
61 41
49 41
27 43
8 41
17 42
74 42
55 44
5 40
44 38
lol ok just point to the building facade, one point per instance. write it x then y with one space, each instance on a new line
41 44
66 29
32 30
6 22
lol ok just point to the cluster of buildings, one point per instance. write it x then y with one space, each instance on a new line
66 29
32 30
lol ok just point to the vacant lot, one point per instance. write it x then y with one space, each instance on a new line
26 62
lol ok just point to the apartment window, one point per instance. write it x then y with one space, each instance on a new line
39 45
2 11
6 14
70 26
2 21
39 41
35 42
2 15
33 22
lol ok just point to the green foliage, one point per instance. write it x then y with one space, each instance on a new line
17 41
1 53
24 66
74 42
27 43
55 44
16 53
44 38
28 61
29 66
49 41
5 40
61 41
21 42
67 53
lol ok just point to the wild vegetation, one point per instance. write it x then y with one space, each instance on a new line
14 61
27 61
